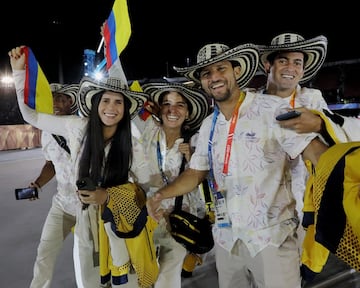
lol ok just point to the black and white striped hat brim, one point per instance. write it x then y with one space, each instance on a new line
196 97
89 87
315 48
246 55
69 90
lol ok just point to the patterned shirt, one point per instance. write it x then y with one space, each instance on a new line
311 99
257 187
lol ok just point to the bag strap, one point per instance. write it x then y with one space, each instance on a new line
62 142
205 184
178 199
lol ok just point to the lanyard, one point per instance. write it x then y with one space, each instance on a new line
160 161
229 141
165 179
292 99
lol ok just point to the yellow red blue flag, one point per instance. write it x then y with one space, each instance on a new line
117 31
37 91
143 113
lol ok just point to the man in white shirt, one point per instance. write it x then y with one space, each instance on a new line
61 216
244 152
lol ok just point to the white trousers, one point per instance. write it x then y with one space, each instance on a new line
171 256
273 267
57 227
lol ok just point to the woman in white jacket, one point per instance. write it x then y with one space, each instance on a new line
103 149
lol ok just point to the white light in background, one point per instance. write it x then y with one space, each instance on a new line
98 75
7 81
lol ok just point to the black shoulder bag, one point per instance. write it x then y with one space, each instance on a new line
194 233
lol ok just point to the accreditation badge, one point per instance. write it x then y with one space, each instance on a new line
222 215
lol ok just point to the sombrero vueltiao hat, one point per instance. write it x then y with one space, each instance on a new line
246 55
69 90
315 49
196 97
89 87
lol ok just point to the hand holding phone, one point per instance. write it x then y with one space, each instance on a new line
26 193
288 115
85 184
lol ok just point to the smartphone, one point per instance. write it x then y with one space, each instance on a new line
26 193
85 184
288 115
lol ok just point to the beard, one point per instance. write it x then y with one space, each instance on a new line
221 96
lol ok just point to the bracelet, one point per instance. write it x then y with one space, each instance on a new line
37 184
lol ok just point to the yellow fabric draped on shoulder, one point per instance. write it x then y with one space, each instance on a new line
333 197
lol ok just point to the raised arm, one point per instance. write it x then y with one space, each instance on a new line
47 122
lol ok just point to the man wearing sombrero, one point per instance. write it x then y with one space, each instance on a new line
289 61
61 216
244 153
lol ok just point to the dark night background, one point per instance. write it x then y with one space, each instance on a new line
166 33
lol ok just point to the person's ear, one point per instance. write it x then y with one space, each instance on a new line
267 67
237 71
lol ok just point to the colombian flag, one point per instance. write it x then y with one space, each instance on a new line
37 92
143 113
117 31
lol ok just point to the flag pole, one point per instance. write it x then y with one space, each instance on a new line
100 45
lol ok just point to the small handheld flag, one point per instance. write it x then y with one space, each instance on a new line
37 91
117 31
143 113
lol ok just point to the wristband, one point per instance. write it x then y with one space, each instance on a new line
37 184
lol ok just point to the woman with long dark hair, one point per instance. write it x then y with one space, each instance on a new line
113 232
